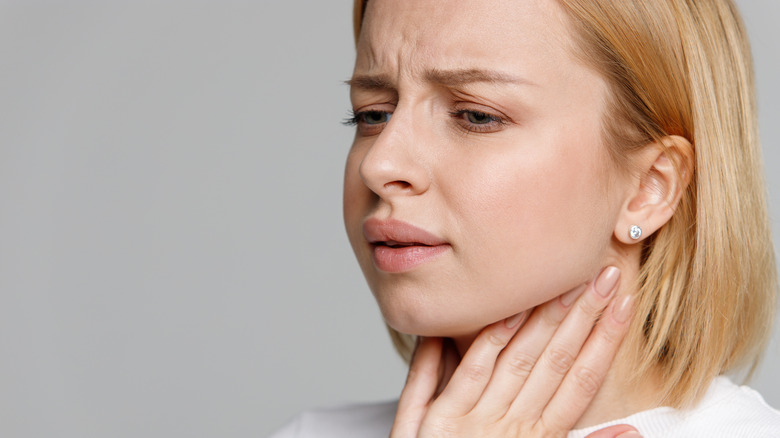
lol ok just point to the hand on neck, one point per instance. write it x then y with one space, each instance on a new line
620 395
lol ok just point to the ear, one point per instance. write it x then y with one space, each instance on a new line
664 170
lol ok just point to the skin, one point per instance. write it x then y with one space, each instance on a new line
517 199
477 124
503 388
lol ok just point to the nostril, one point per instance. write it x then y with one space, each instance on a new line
398 185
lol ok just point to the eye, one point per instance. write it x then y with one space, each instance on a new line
368 122
478 121
373 117
479 118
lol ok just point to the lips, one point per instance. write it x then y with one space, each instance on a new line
399 247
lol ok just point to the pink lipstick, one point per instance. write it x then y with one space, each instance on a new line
398 246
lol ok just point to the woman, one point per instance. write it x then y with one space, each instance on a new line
504 154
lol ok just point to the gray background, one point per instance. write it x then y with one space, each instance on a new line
172 258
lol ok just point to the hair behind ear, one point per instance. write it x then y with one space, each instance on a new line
708 281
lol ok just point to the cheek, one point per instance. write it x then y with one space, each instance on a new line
539 224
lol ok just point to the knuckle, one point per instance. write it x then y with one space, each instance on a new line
591 308
587 380
559 360
476 372
610 336
496 336
496 340
522 364
552 316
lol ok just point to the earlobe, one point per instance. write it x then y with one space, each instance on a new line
664 173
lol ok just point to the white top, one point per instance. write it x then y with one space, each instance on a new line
726 411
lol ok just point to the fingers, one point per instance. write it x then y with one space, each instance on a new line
519 357
584 380
421 384
559 355
470 378
619 431
543 371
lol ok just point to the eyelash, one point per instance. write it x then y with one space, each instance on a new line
355 117
495 122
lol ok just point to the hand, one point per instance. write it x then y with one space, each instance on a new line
527 376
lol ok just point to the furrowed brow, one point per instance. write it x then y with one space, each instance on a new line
466 76
370 82
452 78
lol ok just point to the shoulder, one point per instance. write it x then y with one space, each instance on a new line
729 410
363 420
725 411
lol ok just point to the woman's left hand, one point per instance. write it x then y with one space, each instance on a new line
527 376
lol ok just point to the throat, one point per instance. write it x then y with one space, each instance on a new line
618 397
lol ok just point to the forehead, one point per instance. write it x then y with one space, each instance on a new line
409 35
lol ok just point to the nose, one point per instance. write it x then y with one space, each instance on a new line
394 164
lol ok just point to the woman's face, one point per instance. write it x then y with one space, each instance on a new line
478 185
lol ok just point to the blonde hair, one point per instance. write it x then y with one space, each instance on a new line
708 284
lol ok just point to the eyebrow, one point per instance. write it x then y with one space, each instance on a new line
471 75
451 78
371 82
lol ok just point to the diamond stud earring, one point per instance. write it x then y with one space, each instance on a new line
635 232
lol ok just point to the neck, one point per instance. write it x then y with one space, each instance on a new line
619 395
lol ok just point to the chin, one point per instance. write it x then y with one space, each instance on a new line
418 322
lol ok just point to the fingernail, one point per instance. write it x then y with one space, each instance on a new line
569 297
606 281
630 434
623 309
513 321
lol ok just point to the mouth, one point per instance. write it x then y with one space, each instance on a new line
394 244
398 247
